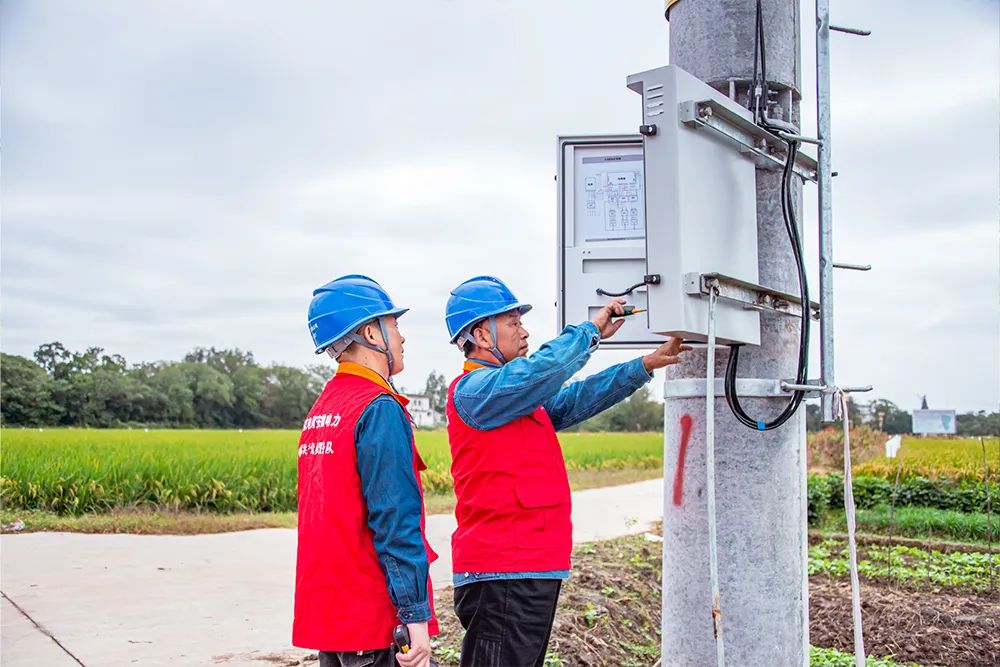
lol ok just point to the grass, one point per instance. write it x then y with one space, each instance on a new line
937 458
920 523
82 471
139 522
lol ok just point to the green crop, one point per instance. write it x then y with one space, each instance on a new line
945 458
968 570
831 657
76 471
919 522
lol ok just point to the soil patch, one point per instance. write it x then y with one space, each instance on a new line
609 614
927 627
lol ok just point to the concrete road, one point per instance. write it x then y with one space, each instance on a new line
72 599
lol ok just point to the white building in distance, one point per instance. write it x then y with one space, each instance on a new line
420 409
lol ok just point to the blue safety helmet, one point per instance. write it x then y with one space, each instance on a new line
341 306
475 300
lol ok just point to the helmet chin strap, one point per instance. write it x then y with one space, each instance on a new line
360 340
495 351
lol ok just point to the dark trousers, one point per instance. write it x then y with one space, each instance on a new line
507 621
381 658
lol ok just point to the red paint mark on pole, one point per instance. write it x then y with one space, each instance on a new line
681 457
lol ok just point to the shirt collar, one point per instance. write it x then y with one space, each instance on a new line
351 368
473 364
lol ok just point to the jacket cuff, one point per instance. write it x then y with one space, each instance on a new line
415 613
594 334
638 372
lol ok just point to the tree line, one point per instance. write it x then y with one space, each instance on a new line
211 388
884 415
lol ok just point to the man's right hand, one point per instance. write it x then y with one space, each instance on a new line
419 654
602 320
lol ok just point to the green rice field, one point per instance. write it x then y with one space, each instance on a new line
79 471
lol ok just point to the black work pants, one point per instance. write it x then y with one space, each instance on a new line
380 658
507 621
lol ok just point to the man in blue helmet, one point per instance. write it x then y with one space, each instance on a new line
512 547
363 561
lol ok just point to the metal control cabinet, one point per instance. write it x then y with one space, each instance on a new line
602 231
701 208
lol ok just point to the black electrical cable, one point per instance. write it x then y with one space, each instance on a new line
625 292
759 95
755 85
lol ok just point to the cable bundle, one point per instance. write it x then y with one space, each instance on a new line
759 93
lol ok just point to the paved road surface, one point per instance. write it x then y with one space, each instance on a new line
72 599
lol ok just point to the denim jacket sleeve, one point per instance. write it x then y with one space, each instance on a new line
584 399
488 398
383 438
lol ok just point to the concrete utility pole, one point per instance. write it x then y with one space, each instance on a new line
760 476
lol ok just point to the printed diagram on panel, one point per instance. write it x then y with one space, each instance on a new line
611 200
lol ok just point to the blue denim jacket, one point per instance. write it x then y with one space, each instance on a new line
490 397
383 438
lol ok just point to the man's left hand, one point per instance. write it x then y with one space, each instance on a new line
665 355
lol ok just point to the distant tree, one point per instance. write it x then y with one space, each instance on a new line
25 393
115 397
979 423
894 420
436 388
286 397
319 375
212 394
639 412
248 386
55 359
168 397
227 361
813 417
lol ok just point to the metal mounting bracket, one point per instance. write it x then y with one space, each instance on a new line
750 295
816 387
745 387
748 388
751 137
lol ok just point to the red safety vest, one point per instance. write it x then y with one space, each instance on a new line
513 498
341 599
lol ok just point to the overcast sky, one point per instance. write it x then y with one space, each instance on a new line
181 174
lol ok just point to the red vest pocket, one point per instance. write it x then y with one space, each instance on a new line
539 493
537 525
